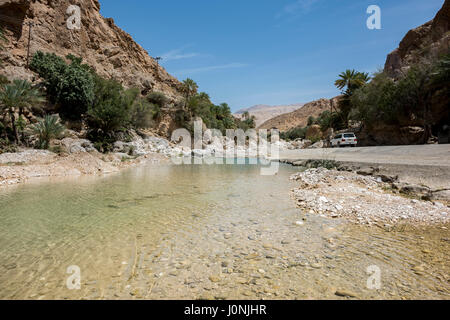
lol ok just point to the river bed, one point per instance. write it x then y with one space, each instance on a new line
203 232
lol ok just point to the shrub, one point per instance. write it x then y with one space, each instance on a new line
143 114
71 86
329 119
3 80
311 120
293 134
110 112
158 98
7 147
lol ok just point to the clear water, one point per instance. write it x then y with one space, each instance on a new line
201 232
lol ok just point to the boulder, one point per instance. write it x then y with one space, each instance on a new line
443 195
72 145
318 145
366 171
422 192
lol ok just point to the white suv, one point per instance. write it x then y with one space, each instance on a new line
344 139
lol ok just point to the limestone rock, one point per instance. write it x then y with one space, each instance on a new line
428 40
104 46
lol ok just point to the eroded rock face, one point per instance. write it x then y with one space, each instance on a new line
111 51
391 135
427 41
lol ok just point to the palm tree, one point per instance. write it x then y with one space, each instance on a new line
46 129
351 79
17 96
189 88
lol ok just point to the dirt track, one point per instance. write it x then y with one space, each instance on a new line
427 155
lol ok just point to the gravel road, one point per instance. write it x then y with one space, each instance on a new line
425 155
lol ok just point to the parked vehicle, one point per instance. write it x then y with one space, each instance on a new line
344 139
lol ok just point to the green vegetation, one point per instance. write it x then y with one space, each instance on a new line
46 129
199 105
325 120
247 121
14 98
410 99
293 134
350 80
108 109
189 88
70 86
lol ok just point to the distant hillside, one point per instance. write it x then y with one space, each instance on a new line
299 117
265 112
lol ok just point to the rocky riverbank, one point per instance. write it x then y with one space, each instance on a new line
367 197
78 157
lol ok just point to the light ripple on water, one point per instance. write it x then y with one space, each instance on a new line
173 213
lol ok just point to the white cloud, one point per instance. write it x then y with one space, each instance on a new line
296 8
178 54
211 68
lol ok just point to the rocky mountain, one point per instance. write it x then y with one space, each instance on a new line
111 51
427 41
265 112
300 117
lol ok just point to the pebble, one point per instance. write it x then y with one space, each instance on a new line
247 293
345 293
214 278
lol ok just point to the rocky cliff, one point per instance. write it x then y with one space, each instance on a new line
425 42
111 51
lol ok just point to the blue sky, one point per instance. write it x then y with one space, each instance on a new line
247 52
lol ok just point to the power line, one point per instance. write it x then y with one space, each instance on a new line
30 25
157 64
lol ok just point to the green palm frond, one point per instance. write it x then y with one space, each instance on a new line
46 129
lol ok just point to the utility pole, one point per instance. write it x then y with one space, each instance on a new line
157 64
30 25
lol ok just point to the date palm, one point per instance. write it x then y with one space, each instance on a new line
351 79
46 129
189 88
16 96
